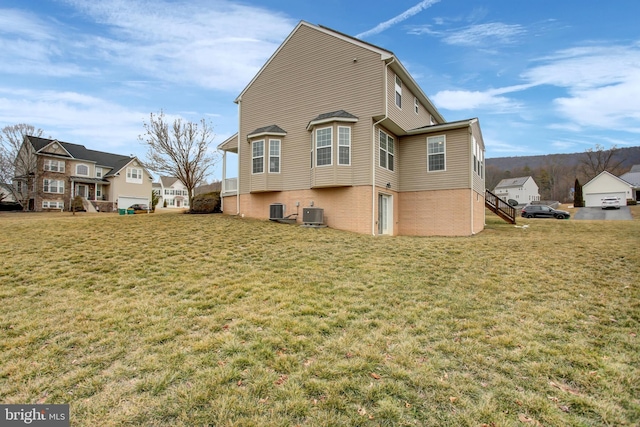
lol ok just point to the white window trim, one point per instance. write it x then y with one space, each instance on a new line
98 172
444 153
279 155
341 144
59 165
253 156
46 186
130 177
47 204
82 174
398 92
330 146
386 151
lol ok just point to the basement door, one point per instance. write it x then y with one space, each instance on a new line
385 213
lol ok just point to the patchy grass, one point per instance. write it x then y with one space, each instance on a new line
191 320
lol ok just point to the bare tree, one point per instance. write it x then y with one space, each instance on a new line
597 160
17 161
180 149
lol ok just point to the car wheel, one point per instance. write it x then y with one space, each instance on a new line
529 216
559 216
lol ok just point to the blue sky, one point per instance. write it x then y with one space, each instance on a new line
543 76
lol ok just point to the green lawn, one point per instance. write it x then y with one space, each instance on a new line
207 320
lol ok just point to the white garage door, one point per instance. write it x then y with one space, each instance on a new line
124 202
595 199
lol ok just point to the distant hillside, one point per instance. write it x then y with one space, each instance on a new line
630 156
555 174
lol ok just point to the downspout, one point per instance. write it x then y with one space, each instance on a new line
471 150
224 178
373 144
238 167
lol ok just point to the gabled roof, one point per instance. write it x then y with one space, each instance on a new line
230 144
513 182
635 168
115 162
605 174
632 178
385 55
168 181
267 130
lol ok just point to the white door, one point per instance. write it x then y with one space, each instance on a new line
385 213
82 191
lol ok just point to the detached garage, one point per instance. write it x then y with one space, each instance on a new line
605 185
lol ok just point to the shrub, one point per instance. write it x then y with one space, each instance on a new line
632 202
206 203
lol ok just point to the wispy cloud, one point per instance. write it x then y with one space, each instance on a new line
488 34
399 18
63 111
602 85
214 45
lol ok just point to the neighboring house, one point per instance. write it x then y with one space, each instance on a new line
63 170
604 185
522 189
338 124
6 195
633 178
173 192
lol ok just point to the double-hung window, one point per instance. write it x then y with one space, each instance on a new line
436 149
324 141
387 151
257 151
53 165
274 156
398 92
98 172
344 145
134 175
53 186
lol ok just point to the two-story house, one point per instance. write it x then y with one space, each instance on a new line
522 189
338 124
62 171
173 193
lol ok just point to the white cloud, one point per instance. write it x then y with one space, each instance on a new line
73 117
214 45
489 34
399 18
468 100
485 34
602 85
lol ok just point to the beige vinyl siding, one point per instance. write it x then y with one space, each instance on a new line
383 175
478 181
313 73
406 117
413 158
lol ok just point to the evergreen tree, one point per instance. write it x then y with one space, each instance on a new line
577 195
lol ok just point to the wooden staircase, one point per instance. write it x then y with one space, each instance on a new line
499 207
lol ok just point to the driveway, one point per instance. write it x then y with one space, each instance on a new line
598 213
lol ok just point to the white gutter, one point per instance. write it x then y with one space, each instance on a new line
471 150
373 151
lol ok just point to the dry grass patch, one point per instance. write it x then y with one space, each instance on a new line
189 320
